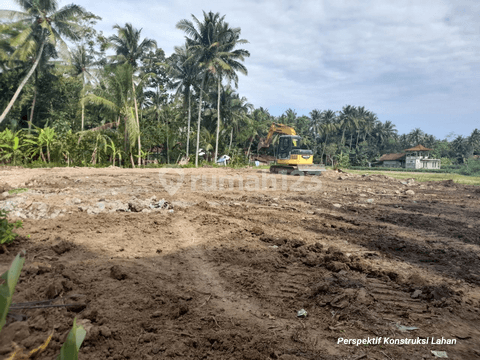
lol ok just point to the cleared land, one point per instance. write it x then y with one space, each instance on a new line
223 275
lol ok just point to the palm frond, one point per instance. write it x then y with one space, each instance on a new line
68 12
64 50
14 15
22 37
97 100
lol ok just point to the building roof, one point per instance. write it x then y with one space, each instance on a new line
391 157
418 148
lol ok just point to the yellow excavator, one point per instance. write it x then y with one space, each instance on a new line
291 156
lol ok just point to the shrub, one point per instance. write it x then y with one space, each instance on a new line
6 228
446 161
343 162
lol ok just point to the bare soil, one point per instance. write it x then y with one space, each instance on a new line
221 273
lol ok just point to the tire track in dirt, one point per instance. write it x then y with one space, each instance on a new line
207 281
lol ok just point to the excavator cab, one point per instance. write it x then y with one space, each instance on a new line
289 145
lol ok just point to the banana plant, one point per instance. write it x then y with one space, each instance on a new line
100 141
45 137
114 151
143 156
67 146
10 147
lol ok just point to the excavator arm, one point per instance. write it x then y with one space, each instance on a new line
275 129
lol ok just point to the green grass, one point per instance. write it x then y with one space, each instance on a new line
17 191
422 177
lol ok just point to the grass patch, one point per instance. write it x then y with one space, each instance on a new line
17 191
423 177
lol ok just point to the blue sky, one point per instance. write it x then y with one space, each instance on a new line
416 63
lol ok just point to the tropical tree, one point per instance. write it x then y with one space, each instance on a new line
403 141
368 125
183 71
228 63
328 126
117 97
82 62
416 136
346 120
361 115
315 128
43 24
389 129
43 67
382 132
207 142
212 42
234 113
459 147
474 140
129 50
429 141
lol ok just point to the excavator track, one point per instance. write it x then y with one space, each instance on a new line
297 170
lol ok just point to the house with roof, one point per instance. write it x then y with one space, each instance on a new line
393 160
417 157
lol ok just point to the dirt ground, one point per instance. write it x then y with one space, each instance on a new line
220 271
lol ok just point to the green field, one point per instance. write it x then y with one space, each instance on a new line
422 177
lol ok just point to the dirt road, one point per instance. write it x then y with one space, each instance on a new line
218 267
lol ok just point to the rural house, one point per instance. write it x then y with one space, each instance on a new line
417 157
393 160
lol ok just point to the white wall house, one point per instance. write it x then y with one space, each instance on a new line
417 157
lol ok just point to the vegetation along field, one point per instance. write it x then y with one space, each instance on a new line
121 238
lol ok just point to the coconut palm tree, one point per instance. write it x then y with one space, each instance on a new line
116 95
382 132
43 24
228 63
8 63
361 115
328 125
43 67
5 48
212 42
416 136
389 129
82 62
128 47
403 141
460 148
234 111
429 141
474 140
368 125
347 120
315 126
130 50
183 71
315 117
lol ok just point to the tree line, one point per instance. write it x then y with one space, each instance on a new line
81 105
